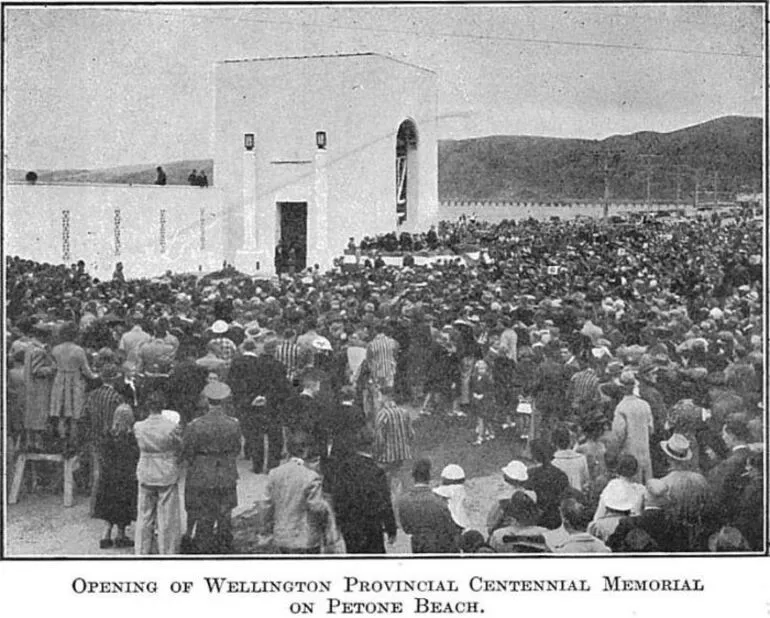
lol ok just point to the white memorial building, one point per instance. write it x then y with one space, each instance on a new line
313 150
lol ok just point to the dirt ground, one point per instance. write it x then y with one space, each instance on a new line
39 524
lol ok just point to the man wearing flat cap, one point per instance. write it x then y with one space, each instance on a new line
211 446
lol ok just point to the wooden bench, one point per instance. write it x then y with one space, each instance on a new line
70 465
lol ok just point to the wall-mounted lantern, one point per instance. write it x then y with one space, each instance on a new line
320 140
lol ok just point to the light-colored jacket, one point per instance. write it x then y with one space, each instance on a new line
160 441
631 430
295 509
575 466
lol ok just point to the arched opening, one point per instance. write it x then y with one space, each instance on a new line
406 170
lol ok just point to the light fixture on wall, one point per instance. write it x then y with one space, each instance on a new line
248 141
320 140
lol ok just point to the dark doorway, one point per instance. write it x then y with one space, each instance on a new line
292 217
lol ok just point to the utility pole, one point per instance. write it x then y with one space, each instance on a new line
611 160
606 203
678 187
716 195
649 186
697 186
648 163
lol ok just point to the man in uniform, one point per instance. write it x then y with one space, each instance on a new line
211 446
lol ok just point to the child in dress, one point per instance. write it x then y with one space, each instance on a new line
483 401
117 490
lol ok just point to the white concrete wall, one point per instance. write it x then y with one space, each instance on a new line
498 211
359 101
33 219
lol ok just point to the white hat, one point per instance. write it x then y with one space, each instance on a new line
516 471
677 447
453 472
322 343
219 327
171 415
619 497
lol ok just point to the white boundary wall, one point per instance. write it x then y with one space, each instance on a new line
498 211
149 228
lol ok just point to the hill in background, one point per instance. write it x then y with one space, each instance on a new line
523 168
544 169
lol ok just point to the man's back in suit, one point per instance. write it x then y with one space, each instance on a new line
243 372
654 521
296 508
426 517
362 503
727 482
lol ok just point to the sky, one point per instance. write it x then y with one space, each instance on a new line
90 87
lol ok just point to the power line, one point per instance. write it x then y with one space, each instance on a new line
428 34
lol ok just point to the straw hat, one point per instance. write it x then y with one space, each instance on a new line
677 447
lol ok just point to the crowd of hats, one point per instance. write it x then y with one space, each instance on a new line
695 285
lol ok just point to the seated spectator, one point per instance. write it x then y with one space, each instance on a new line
619 499
472 542
514 474
654 521
572 463
728 539
548 482
521 534
452 488
572 537
625 472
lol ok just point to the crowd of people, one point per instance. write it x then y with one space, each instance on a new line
629 357
448 237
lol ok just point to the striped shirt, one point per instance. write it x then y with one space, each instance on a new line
381 358
99 410
287 353
583 390
393 433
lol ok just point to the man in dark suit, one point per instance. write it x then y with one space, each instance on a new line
260 391
345 422
549 392
211 445
306 413
549 483
654 521
361 498
426 516
185 384
726 478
